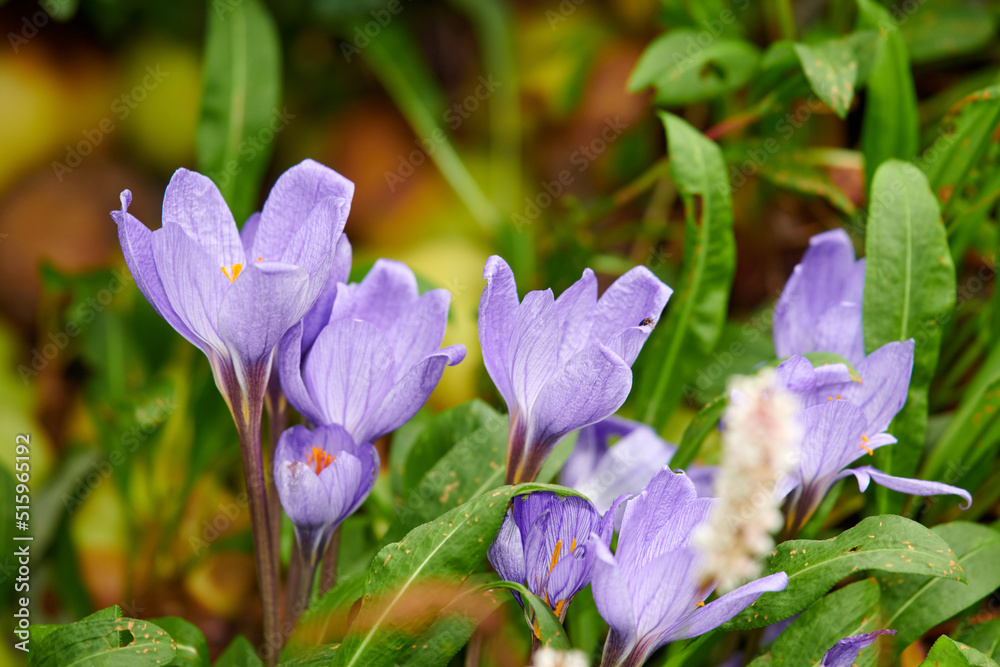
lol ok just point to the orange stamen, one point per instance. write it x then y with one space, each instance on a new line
260 259
572 546
555 555
861 444
319 459
700 604
232 272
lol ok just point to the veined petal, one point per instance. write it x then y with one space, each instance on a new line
194 285
574 308
195 206
591 445
290 204
609 588
628 343
845 652
662 592
634 297
885 375
812 386
506 554
137 246
589 388
315 242
832 438
839 330
383 297
533 347
248 233
626 468
717 612
345 484
408 393
262 304
420 330
319 315
915 487
289 363
498 307
349 371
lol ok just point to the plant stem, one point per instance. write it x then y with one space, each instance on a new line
277 420
328 576
306 561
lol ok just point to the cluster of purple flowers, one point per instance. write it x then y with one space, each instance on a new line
359 360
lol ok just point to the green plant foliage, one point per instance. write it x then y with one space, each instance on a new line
947 651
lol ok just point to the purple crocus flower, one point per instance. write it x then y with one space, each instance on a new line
235 295
649 591
561 364
844 419
322 477
845 652
820 308
547 543
603 472
375 360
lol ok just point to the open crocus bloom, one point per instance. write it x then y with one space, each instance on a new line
649 591
603 472
820 308
547 543
235 295
376 360
561 364
844 419
322 478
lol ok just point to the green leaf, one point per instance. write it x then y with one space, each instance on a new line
891 128
192 649
793 170
697 430
239 653
105 641
831 68
327 619
890 543
909 293
696 313
474 464
945 29
983 636
946 651
241 94
915 604
410 581
549 630
852 610
682 70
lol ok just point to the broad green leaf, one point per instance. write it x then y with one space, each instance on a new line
889 543
947 651
327 620
240 653
945 29
683 70
791 169
410 581
832 70
915 604
403 440
890 128
697 430
105 641
953 154
909 293
696 313
548 629
475 426
192 649
984 637
241 109
852 610
474 464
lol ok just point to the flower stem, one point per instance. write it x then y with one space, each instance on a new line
301 595
328 576
277 420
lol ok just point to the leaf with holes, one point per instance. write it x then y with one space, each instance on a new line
889 543
192 649
696 314
915 604
100 639
683 71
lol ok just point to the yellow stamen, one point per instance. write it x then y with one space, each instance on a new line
232 272
319 459
555 555
861 444
559 606
834 398
260 259
572 546
700 604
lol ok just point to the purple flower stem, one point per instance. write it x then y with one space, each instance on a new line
328 576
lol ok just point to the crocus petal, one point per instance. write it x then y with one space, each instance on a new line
832 438
719 611
812 385
420 330
498 307
291 202
634 297
194 205
383 297
193 283
839 331
506 554
137 246
345 484
349 371
608 586
845 652
408 393
248 233
263 303
319 314
627 467
573 310
289 361
591 445
885 375
533 347
915 487
664 591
